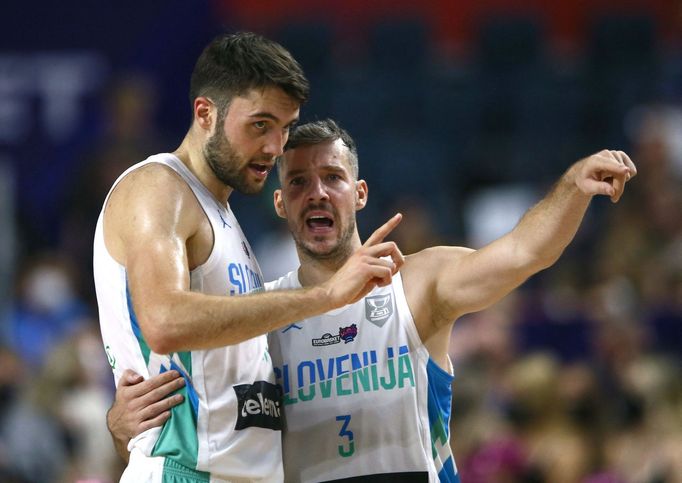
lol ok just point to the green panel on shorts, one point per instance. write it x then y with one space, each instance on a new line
176 473
178 439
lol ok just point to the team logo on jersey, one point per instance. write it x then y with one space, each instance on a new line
326 339
346 334
258 405
379 308
225 224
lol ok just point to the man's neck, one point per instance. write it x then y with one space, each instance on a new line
191 154
314 271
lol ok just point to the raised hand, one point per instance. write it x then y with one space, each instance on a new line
368 267
604 173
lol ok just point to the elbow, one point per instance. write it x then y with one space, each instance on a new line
159 344
540 263
548 260
533 262
157 333
527 257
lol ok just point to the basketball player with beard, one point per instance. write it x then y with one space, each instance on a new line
175 277
367 387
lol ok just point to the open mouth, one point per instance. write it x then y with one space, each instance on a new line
260 169
319 223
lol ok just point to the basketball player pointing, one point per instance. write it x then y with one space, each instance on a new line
170 260
367 386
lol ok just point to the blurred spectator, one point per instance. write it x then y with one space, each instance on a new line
46 311
52 426
76 385
33 447
482 346
555 447
647 441
643 241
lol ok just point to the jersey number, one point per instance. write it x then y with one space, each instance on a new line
346 451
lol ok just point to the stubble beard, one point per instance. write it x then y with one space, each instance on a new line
227 165
339 252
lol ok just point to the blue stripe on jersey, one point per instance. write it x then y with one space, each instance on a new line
191 392
449 472
178 438
136 327
439 404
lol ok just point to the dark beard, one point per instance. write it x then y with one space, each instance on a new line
225 162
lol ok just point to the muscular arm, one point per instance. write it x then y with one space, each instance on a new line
151 219
454 281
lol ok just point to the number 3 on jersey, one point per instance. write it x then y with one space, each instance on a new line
348 447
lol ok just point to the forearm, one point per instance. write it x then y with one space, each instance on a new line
173 318
184 320
120 442
466 281
545 230
121 448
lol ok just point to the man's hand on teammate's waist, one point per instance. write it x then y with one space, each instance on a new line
141 405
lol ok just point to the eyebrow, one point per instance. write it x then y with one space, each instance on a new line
330 168
269 115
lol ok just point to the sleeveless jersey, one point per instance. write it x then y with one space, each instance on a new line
361 394
229 423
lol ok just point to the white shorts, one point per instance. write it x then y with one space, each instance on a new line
157 469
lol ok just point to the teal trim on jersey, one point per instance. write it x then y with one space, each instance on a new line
136 327
176 473
186 360
439 403
178 439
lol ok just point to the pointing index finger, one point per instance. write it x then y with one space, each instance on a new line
383 231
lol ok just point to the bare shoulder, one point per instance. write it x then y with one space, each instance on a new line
149 181
152 200
421 273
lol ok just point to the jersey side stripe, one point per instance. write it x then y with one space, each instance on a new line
439 397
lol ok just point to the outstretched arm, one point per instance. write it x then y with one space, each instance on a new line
457 280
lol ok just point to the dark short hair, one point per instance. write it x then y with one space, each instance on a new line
319 132
233 64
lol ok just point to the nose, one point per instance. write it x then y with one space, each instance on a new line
274 143
317 190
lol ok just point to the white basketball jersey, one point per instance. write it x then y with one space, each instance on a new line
229 424
361 395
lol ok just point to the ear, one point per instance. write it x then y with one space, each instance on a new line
204 112
279 204
361 191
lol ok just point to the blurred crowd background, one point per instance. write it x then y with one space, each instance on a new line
465 113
